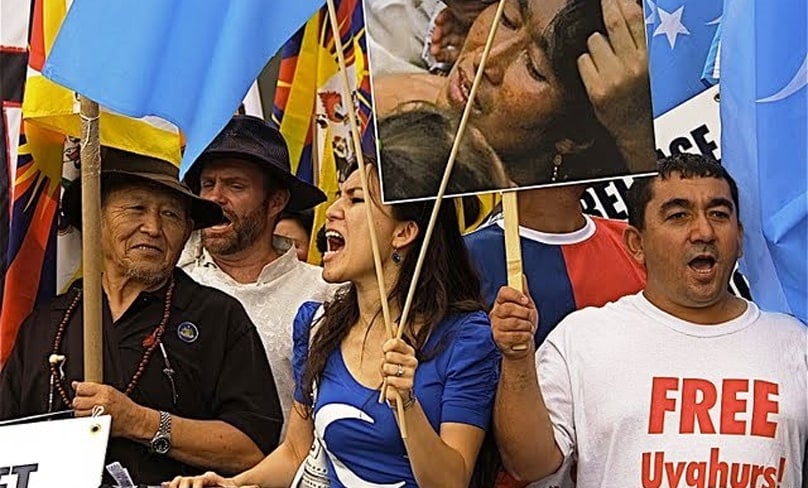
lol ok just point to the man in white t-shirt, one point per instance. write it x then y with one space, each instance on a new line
680 385
246 170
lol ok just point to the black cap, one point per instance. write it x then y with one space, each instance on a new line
253 139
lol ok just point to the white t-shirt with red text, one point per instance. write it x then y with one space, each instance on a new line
643 399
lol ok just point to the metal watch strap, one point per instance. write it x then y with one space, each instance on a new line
161 442
164 429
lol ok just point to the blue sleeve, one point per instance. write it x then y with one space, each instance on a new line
300 345
472 373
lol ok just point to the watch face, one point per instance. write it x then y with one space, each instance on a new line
161 445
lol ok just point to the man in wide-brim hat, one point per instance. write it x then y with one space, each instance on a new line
246 170
174 352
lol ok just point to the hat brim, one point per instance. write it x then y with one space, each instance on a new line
204 213
302 195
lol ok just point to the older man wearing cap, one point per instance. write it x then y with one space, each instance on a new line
174 352
246 170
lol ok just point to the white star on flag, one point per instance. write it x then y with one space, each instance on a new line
670 24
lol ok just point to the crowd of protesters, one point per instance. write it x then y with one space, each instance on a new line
230 360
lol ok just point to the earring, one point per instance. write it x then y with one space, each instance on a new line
558 160
396 257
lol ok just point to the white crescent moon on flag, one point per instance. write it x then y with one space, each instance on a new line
797 83
330 413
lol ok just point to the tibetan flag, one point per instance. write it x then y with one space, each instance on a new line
190 62
310 111
13 62
680 34
43 254
31 250
764 117
309 108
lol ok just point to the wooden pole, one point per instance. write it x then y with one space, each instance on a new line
513 249
91 240
374 241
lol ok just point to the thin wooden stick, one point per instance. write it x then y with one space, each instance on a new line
513 249
449 165
91 240
446 174
374 242
312 253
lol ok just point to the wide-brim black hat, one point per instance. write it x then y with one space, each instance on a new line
126 166
251 138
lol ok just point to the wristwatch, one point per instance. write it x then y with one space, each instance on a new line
161 442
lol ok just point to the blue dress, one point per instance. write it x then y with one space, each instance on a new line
455 383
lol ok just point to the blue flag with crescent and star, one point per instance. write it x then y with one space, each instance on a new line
680 34
764 118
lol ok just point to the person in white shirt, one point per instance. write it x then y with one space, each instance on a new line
246 170
682 384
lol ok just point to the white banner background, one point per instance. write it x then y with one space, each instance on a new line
54 453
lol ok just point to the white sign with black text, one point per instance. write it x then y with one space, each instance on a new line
53 453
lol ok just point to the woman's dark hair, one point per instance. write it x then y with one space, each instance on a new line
566 38
416 140
448 285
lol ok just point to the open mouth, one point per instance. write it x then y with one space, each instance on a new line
223 226
335 242
702 264
461 91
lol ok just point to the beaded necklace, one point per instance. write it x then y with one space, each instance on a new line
151 342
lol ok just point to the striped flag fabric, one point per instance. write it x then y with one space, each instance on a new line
31 253
309 108
13 61
43 255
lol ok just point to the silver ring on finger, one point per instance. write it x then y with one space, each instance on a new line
400 371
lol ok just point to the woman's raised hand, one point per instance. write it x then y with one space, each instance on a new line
398 369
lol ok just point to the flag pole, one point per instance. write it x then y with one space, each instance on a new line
91 239
374 241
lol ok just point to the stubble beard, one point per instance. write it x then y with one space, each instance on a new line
148 275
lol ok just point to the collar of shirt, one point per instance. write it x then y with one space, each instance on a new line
273 270
181 299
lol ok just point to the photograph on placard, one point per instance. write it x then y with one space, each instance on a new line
564 95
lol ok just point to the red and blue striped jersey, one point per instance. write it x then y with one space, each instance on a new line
565 272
